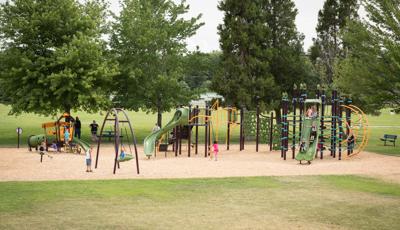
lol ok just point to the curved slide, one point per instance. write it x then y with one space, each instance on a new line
181 117
308 151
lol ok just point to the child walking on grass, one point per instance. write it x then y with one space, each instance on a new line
89 159
215 147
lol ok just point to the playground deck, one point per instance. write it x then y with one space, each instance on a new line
21 165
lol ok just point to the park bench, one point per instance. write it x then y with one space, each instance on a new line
389 138
109 134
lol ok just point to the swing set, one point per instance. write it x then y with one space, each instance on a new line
118 118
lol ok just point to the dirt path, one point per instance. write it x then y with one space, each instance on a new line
21 165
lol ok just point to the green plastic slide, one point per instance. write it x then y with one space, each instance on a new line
181 117
308 149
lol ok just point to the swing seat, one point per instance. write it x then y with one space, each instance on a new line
127 157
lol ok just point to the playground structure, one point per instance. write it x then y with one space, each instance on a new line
346 128
253 126
117 121
54 134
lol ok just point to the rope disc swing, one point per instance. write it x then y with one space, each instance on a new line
123 156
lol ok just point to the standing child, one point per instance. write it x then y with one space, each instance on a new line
42 151
89 159
66 136
215 147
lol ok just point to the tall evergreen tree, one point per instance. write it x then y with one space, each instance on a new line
53 57
148 40
262 52
332 19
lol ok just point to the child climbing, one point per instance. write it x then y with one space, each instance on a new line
314 111
309 112
215 148
89 159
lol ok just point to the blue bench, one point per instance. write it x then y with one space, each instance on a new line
389 138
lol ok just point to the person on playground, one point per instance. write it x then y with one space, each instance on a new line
93 130
314 111
309 112
215 148
350 140
88 158
77 126
155 128
55 146
66 136
122 154
42 147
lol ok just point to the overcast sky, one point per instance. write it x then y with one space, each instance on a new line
207 36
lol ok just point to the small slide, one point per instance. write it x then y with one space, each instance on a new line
84 145
181 117
308 151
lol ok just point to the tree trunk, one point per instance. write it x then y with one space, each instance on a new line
278 115
159 117
67 109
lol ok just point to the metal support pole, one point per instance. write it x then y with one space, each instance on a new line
180 139
334 124
257 126
228 132
176 140
340 117
206 134
271 129
190 131
322 139
209 133
294 102
241 129
197 129
348 126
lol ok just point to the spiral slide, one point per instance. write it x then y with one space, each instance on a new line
181 117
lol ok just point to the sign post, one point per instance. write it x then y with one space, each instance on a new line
19 132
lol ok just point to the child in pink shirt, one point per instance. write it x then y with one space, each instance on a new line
215 146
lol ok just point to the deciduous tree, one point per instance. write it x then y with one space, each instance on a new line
149 40
54 56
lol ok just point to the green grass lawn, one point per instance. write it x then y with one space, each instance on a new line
392 126
317 202
143 124
31 123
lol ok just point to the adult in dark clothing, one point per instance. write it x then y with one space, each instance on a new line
93 130
77 126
